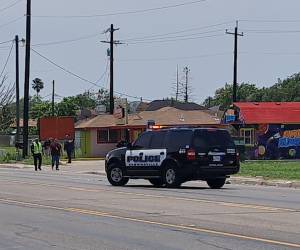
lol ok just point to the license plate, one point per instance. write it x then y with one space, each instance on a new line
216 158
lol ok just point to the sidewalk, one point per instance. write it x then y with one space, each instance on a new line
83 167
97 168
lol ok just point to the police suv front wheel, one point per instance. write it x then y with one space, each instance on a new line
115 176
171 177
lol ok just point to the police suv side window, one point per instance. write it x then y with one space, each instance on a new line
157 140
178 139
143 141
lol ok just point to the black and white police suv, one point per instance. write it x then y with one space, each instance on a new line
171 157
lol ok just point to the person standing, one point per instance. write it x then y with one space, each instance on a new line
55 153
46 147
69 147
37 150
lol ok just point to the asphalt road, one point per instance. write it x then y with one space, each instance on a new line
72 210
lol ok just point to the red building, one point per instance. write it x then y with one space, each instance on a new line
269 130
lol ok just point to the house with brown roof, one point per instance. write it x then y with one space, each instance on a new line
99 135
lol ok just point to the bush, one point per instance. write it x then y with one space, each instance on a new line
9 155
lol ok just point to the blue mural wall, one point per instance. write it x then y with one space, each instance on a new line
277 142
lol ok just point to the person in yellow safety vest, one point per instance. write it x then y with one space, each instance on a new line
37 150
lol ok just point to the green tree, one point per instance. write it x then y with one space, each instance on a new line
70 105
223 96
102 98
39 108
287 90
37 85
7 95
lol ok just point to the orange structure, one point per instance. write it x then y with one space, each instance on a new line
56 127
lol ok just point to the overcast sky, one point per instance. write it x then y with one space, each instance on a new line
146 66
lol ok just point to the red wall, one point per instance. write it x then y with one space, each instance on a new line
56 127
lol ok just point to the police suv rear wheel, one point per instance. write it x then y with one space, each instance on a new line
171 178
216 183
156 182
115 176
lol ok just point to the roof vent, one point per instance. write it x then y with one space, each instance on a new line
256 103
278 103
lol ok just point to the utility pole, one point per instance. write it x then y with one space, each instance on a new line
177 84
17 90
53 94
186 87
235 84
26 82
112 42
209 102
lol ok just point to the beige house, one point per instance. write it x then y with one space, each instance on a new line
99 135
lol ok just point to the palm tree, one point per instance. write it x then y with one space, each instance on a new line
37 85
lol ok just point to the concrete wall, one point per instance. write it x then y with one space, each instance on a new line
99 150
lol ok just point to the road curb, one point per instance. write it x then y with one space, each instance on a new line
242 181
263 182
15 166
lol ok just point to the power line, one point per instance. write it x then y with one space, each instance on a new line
271 31
125 12
64 69
177 36
66 41
275 53
102 76
4 42
173 58
59 96
78 76
12 21
270 20
11 5
104 73
175 40
178 32
7 59
46 96
4 47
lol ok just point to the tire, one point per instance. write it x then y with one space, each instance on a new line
156 182
216 183
115 175
170 177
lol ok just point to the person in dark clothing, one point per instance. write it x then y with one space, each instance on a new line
56 149
46 146
69 147
37 150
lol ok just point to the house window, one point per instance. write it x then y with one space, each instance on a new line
103 136
108 136
114 135
248 136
